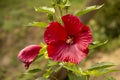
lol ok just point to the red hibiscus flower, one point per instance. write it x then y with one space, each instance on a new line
28 54
68 42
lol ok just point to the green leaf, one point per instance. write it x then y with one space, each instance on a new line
88 9
58 69
100 72
109 78
73 76
47 74
101 65
51 67
38 24
34 70
97 44
66 4
72 68
45 9
51 63
99 69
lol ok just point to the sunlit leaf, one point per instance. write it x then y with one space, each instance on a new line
68 4
100 72
48 72
45 9
72 68
101 65
51 63
73 76
97 44
88 9
51 67
63 3
99 69
34 70
38 24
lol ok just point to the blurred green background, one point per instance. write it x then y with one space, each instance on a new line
14 35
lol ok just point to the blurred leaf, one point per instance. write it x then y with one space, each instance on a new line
101 65
48 72
65 5
72 76
88 9
100 72
72 68
99 69
109 78
97 44
45 9
41 78
58 68
38 24
68 3
34 70
52 63
51 67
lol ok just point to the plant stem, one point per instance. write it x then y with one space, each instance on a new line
60 10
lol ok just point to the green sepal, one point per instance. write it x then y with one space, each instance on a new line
43 52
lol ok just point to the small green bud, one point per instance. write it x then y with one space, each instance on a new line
50 17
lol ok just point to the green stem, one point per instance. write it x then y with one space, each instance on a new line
66 10
60 10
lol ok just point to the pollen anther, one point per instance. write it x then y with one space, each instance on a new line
69 40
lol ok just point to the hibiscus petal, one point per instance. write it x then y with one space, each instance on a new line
84 37
72 24
54 33
63 52
28 54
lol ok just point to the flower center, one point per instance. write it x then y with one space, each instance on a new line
70 40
